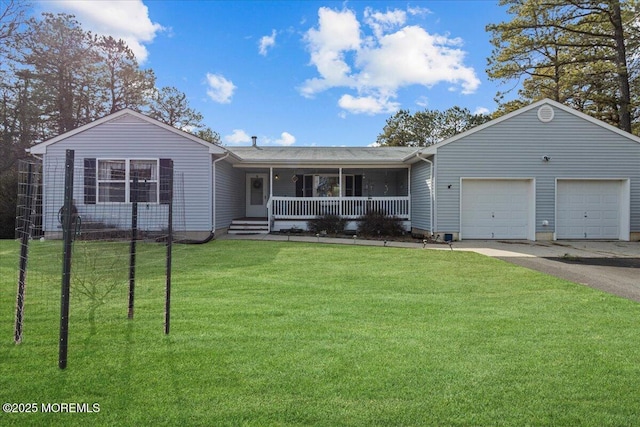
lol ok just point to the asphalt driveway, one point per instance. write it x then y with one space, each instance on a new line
612 267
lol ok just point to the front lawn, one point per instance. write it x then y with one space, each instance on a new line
284 333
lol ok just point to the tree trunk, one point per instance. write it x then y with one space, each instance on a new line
624 109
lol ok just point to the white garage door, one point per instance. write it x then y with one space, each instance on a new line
588 209
495 209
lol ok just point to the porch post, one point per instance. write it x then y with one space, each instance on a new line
270 182
340 193
409 189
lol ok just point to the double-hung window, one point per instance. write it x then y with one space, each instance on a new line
116 179
147 173
328 185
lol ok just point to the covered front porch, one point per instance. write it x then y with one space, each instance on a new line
289 197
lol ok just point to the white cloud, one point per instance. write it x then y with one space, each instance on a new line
418 11
422 101
482 110
383 22
219 88
367 104
337 33
267 42
374 67
127 20
238 136
413 56
285 139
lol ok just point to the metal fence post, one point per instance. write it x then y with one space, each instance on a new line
132 246
68 231
167 307
24 253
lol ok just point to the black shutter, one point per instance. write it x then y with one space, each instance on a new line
348 186
166 166
90 181
357 186
308 186
299 185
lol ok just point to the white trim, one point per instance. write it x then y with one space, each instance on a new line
624 233
270 183
531 193
265 193
127 179
269 200
409 192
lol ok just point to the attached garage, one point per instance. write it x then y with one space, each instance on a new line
540 173
497 209
592 209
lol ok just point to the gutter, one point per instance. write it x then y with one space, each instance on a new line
431 192
213 188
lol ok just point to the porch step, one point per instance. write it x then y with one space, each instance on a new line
249 226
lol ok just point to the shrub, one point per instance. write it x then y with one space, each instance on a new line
329 223
378 223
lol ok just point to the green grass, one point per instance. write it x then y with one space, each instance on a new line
267 333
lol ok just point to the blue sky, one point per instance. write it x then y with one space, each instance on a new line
306 73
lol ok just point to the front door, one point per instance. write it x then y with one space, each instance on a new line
257 194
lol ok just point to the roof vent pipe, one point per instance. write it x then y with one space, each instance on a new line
254 141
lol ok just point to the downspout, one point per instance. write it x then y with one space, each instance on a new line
213 200
432 192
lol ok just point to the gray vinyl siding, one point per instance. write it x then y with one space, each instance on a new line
131 138
53 192
284 186
230 194
514 149
421 196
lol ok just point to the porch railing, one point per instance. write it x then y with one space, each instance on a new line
345 207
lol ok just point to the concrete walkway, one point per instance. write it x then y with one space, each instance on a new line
613 267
